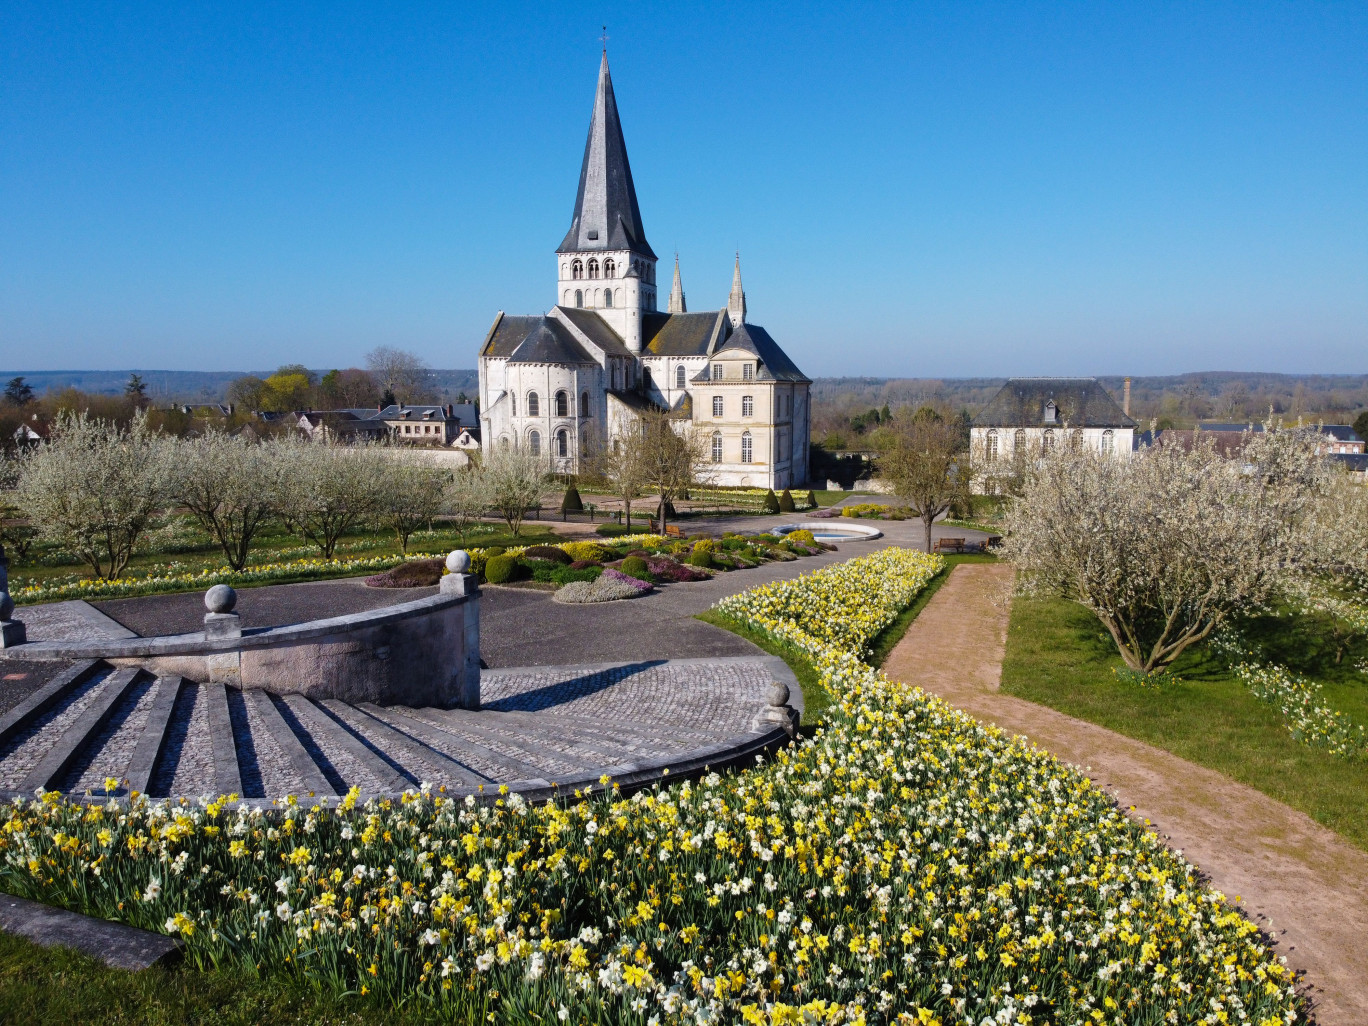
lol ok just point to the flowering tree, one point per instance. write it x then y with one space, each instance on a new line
1164 546
412 494
95 488
328 490
516 479
230 485
466 498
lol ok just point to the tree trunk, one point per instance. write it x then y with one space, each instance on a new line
927 520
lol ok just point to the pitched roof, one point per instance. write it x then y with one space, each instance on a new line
597 330
773 361
1081 402
550 341
606 212
507 333
634 401
681 334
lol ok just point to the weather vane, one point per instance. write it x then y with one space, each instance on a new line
604 38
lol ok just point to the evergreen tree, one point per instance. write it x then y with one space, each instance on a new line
786 502
571 502
19 392
771 502
136 390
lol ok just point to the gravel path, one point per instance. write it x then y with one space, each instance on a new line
1302 882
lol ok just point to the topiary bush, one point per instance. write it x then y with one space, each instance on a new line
803 537
635 566
571 502
771 502
702 558
812 499
494 550
550 552
581 550
786 502
501 569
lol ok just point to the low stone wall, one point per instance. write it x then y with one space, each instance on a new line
419 653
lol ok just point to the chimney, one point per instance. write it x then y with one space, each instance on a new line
1125 398
450 412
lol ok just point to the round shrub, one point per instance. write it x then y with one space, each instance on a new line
416 573
550 552
585 550
704 545
635 566
803 537
703 558
571 502
771 502
786 502
501 569
584 564
494 550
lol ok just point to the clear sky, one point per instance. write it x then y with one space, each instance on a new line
917 189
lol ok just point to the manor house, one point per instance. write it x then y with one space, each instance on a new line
582 374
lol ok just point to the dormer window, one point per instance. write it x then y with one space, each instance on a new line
593 234
746 370
717 372
1051 413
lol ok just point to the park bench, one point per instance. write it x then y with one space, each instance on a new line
949 545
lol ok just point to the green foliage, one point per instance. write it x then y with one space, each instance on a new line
811 499
635 566
551 552
771 502
703 559
494 550
1361 425
571 503
501 569
786 502
554 573
618 530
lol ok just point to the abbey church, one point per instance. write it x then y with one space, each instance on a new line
605 353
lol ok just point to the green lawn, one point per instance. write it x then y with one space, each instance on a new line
1059 655
56 985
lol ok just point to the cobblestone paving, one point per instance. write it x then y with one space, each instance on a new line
69 621
23 752
112 746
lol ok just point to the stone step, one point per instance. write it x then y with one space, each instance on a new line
306 775
552 732
356 763
550 753
227 773
149 747
612 730
490 762
17 718
110 748
410 752
64 751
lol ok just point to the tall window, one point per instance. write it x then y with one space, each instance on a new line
717 372
992 445
746 371
593 268
717 447
579 297
1108 440
646 377
1019 440
1075 438
562 404
679 376
514 400
577 270
717 406
607 297
533 405
746 448
534 442
584 404
562 444
747 406
1048 441
608 268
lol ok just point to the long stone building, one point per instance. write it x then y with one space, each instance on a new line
583 373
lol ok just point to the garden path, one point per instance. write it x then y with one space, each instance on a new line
1301 882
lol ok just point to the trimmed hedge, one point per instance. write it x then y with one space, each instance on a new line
501 569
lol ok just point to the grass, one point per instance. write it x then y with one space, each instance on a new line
56 985
815 698
1059 655
887 639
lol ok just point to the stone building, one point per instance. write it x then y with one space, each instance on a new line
583 373
1031 414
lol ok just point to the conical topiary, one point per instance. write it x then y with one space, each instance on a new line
812 499
571 503
786 502
771 502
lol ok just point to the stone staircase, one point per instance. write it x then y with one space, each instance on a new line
542 730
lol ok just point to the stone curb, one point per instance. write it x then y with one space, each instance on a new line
114 944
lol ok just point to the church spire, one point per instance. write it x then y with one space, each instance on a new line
736 302
606 212
677 292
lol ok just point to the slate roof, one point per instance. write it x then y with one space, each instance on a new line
507 333
597 329
533 340
606 212
1357 462
774 363
1081 402
682 334
634 401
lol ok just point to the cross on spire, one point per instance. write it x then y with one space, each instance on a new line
604 39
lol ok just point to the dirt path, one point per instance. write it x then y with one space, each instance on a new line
1302 882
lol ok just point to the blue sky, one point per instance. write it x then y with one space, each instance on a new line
916 189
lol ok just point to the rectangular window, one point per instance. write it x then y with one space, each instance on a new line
717 406
746 448
717 448
746 372
717 372
747 406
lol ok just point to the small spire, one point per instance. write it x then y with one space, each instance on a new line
677 292
736 302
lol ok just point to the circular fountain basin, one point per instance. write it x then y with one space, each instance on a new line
832 533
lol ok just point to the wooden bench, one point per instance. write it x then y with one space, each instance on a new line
672 531
948 545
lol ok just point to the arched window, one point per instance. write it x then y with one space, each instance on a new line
992 445
1019 440
607 297
717 406
593 268
562 443
747 406
1109 440
534 442
584 404
503 442
577 270
1048 441
562 404
514 401
533 405
565 298
746 448
679 376
608 268
579 297
717 447
1075 438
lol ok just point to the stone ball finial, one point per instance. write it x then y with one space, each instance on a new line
458 561
6 605
778 693
220 599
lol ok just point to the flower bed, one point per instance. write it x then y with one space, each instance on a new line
903 864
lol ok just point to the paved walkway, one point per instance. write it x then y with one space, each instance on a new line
1301 881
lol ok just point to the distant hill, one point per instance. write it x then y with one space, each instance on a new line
197 386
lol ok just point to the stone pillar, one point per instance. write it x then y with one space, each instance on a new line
459 581
221 621
12 632
776 712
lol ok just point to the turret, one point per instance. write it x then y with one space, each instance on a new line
736 302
